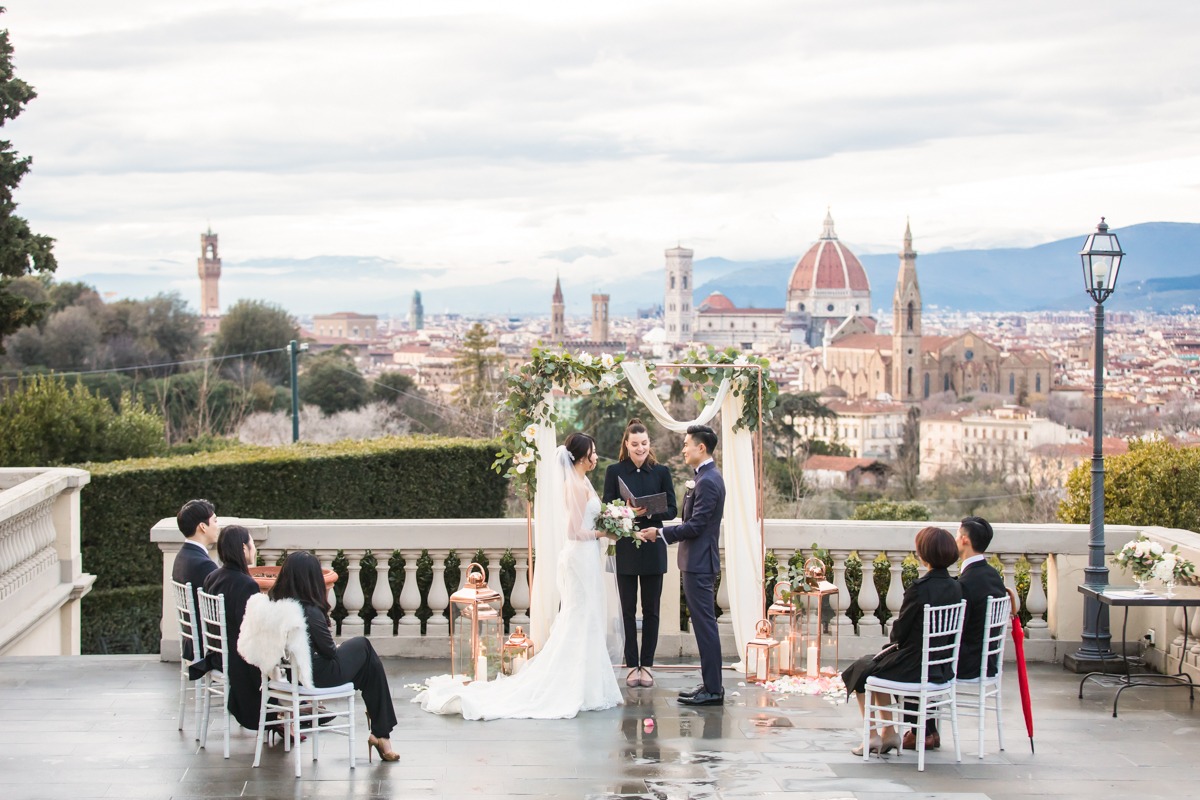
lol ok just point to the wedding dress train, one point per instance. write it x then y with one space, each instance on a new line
573 672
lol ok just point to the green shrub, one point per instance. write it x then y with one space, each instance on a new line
122 620
897 511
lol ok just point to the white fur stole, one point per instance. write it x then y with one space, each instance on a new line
273 630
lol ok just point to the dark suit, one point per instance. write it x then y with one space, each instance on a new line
192 565
903 663
245 681
700 562
979 582
641 566
355 661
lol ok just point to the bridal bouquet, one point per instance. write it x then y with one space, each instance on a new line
1140 556
616 519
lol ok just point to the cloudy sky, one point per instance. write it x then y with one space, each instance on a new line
468 142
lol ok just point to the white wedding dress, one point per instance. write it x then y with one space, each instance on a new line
573 672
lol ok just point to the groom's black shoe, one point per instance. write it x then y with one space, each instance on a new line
691 692
704 698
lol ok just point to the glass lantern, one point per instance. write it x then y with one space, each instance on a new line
516 652
762 655
816 602
475 628
781 615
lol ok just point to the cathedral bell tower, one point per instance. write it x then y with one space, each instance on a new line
677 303
209 267
907 385
558 328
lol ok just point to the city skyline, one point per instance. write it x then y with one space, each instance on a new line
466 141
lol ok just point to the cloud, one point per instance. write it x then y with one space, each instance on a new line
570 255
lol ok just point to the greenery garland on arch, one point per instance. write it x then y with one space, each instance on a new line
602 375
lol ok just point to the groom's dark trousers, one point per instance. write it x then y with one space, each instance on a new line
700 563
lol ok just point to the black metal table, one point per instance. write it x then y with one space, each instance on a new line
1125 597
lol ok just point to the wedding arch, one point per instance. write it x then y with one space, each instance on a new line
732 383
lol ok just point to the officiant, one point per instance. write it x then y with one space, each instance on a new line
640 568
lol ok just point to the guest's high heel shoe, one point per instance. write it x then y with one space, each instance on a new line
875 745
889 743
374 744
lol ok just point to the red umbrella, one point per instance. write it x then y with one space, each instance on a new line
1018 637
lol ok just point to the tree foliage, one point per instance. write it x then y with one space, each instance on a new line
253 326
1155 483
333 383
46 423
22 252
892 510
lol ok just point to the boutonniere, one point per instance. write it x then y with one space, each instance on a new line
690 485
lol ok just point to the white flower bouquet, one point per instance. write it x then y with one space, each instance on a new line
1139 556
616 519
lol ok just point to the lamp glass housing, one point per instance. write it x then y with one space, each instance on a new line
1101 256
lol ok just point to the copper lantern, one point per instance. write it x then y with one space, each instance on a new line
781 614
816 602
517 651
475 627
762 655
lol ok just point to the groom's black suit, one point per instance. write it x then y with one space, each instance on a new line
700 563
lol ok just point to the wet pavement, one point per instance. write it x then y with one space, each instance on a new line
104 726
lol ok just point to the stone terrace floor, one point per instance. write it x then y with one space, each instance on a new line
103 726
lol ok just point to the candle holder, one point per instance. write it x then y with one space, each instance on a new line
782 616
475 628
517 651
816 602
762 655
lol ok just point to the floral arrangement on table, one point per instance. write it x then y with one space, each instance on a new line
582 373
1146 559
616 519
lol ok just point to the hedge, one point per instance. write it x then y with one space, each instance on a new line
393 478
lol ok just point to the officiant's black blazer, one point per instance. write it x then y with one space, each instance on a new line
651 557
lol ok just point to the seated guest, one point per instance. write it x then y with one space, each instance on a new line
901 659
354 661
235 547
979 581
197 521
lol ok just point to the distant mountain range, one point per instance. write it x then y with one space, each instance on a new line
1161 272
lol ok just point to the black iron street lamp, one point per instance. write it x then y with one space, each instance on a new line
1101 256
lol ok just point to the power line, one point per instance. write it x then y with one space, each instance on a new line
157 366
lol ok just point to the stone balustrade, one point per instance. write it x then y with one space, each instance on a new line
41 575
1055 615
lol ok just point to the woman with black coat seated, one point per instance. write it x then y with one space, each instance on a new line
354 661
235 548
901 660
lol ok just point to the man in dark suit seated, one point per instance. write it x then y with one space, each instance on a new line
197 522
979 581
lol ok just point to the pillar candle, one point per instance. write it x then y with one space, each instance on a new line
785 656
761 672
518 663
811 668
481 668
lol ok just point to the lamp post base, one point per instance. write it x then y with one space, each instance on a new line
1081 663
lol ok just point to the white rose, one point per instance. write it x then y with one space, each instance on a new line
530 432
690 485
740 361
607 361
1139 549
521 468
1156 548
609 379
627 524
585 359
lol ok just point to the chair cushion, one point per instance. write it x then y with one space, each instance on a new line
907 688
989 681
304 691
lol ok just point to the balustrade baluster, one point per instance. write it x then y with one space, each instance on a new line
1178 620
520 591
493 570
1035 601
381 598
326 557
1009 562
1193 654
868 595
439 598
410 595
839 580
353 598
895 592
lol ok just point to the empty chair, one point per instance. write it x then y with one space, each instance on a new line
983 694
189 633
940 642
216 647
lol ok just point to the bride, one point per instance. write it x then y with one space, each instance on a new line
573 672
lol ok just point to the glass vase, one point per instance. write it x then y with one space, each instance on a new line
1170 588
1141 584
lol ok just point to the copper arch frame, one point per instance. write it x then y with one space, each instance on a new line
758 479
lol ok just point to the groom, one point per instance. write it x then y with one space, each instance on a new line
699 558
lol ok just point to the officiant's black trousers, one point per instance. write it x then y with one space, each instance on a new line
627 588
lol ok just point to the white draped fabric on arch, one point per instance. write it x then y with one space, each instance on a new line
742 533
